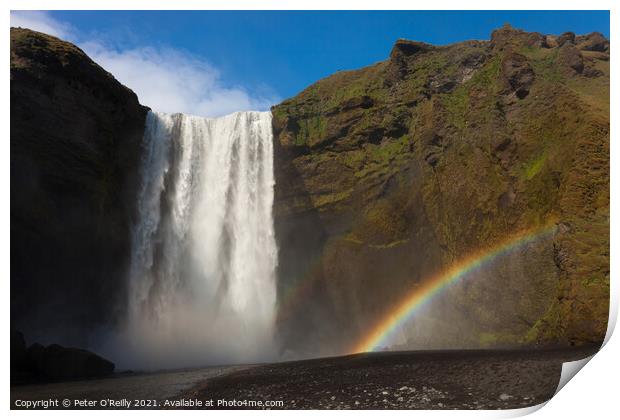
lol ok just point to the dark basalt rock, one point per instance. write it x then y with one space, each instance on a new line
363 102
19 357
518 74
508 37
566 37
55 362
402 53
407 48
570 58
36 357
76 137
594 41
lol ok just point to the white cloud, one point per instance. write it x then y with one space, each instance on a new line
165 79
41 22
169 80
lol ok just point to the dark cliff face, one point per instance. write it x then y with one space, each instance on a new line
75 149
388 173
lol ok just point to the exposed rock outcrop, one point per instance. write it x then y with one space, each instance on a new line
54 362
570 57
566 37
518 74
594 41
19 356
407 48
508 37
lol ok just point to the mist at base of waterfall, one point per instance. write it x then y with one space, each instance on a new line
201 286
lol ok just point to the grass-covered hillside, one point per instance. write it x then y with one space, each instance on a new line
388 173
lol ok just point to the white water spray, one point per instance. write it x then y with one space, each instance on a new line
202 277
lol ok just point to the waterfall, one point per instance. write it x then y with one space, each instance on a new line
202 277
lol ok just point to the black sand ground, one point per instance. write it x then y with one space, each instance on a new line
391 380
401 380
158 386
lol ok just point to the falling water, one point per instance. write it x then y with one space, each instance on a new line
202 276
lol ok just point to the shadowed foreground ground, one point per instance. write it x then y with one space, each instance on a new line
393 380
157 386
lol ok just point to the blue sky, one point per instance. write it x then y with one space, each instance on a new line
257 58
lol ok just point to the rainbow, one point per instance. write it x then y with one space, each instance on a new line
404 311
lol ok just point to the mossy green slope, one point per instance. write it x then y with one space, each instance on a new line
388 173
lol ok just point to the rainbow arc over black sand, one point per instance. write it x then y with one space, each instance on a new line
382 332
